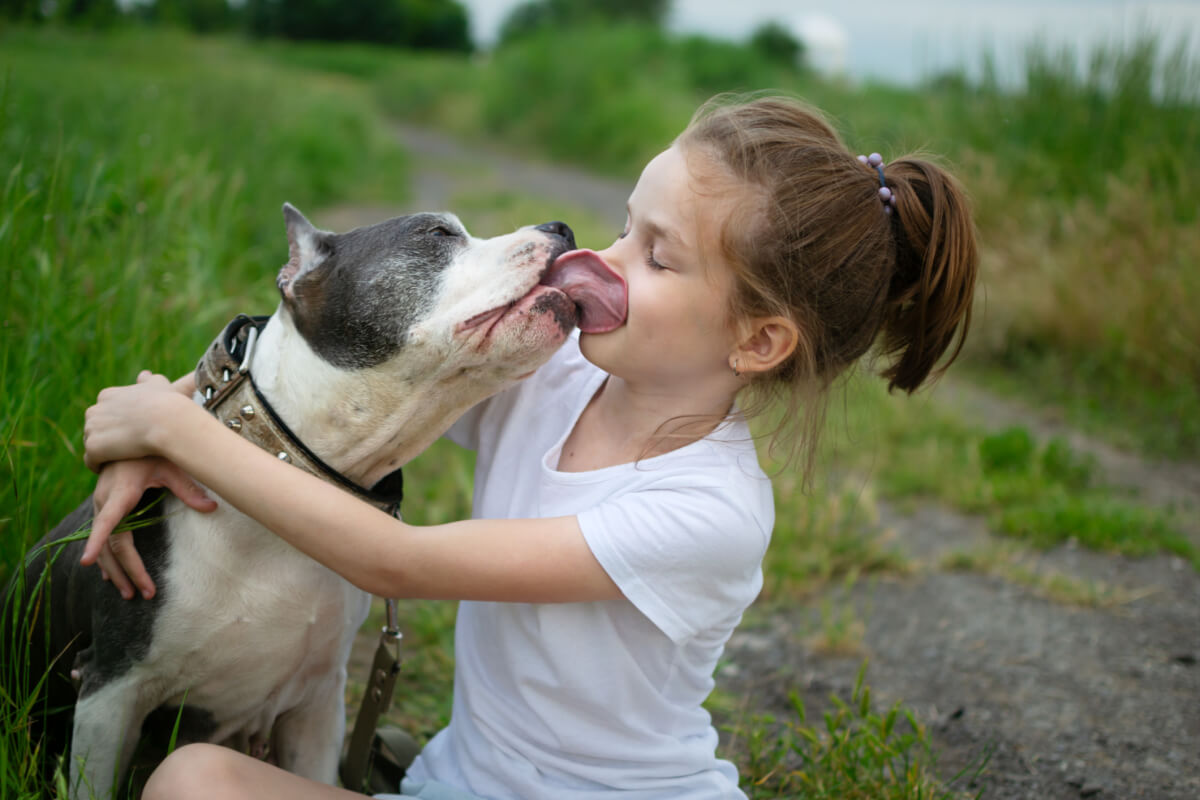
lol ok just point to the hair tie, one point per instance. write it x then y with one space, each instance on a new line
885 194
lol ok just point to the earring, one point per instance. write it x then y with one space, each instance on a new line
736 374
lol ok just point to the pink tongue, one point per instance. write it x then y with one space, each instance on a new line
598 292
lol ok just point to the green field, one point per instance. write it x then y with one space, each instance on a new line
139 211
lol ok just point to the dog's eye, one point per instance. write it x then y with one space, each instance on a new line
441 230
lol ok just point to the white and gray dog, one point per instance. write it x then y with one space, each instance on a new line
384 336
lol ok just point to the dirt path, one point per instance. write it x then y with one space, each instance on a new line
1069 701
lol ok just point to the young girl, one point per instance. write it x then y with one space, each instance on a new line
621 516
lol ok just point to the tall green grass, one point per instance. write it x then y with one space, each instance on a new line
141 180
140 209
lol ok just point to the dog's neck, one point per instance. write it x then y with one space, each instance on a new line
364 424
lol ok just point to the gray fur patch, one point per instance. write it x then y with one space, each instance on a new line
356 307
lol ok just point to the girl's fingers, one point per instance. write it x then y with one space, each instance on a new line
131 566
110 507
111 570
182 486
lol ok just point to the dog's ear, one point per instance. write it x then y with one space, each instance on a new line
307 248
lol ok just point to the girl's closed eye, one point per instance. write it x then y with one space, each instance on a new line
652 262
624 231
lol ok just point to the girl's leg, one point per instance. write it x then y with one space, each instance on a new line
207 771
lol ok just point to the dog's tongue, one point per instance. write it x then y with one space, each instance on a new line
597 291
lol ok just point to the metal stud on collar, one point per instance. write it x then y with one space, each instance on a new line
284 457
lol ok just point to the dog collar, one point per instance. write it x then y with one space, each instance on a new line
223 376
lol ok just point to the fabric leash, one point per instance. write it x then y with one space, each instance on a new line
356 765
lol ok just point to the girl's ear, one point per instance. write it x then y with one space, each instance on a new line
766 342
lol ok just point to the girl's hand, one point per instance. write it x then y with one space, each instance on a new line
118 490
121 424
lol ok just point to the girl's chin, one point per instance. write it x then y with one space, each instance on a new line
595 347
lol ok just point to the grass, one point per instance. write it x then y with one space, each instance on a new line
137 214
853 752
1045 493
1015 565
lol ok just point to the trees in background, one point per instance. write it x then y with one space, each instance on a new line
533 16
420 24
777 44
715 61
90 12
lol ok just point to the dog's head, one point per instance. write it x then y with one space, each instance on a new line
422 287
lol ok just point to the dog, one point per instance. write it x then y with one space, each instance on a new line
384 335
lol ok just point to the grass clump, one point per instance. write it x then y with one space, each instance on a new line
854 752
1045 493
829 533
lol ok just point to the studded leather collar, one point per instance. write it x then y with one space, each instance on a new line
223 376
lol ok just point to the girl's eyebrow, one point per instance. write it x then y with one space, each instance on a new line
657 231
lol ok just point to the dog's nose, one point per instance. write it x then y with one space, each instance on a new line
559 229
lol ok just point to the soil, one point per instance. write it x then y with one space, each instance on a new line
1063 701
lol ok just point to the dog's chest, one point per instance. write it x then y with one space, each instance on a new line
249 627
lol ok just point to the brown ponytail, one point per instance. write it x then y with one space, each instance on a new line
931 290
821 250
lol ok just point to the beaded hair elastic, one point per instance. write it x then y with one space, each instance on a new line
885 194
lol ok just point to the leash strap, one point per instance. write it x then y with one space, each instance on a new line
356 766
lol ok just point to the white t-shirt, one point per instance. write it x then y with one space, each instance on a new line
573 701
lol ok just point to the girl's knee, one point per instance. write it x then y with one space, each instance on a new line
195 771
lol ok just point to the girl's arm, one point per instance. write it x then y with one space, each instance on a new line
532 560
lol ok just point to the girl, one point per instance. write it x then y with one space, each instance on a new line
621 516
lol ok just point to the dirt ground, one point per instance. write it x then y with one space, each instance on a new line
1069 702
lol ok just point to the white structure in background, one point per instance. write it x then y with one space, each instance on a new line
826 42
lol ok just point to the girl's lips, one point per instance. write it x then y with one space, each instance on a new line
598 292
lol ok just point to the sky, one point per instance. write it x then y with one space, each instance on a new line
904 41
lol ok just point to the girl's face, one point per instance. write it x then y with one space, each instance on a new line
677 332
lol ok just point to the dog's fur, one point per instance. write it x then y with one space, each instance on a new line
384 336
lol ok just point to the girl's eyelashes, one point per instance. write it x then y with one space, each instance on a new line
651 262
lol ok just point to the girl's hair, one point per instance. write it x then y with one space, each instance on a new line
820 249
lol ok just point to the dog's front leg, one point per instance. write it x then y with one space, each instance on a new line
108 722
307 740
